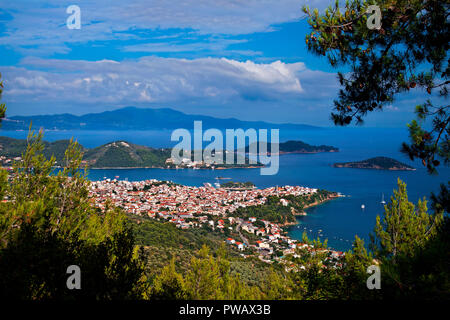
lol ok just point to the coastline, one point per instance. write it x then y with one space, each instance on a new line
303 213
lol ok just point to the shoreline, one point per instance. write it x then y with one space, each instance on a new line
303 213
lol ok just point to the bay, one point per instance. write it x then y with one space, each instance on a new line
338 220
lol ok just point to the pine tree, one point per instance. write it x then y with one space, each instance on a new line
47 223
404 228
407 53
169 284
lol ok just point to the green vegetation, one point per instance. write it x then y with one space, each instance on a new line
150 232
118 154
271 211
2 105
296 146
274 211
47 221
302 147
115 154
48 224
12 148
237 185
125 154
408 53
381 163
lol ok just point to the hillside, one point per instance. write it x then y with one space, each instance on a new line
302 147
379 163
117 154
125 154
12 148
131 118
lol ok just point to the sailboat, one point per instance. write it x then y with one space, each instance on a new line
382 199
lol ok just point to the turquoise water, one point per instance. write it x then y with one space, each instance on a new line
341 219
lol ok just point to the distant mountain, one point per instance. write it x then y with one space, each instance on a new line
131 118
380 163
293 146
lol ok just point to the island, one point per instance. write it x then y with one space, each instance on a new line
294 146
231 185
378 163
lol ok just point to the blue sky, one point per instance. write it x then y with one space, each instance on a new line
225 58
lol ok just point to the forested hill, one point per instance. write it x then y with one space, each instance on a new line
302 147
380 163
11 148
114 154
117 154
125 154
297 146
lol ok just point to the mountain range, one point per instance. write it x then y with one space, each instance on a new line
132 118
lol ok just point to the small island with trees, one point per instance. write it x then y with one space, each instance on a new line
293 146
378 163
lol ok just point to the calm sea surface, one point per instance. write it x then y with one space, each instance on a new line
338 220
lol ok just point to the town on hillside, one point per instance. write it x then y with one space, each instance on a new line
213 208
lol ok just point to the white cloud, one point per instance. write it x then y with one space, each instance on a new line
153 79
390 107
38 27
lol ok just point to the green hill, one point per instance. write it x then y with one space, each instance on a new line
12 148
380 163
125 154
114 154
117 154
297 146
303 147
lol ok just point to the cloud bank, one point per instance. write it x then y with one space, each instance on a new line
152 80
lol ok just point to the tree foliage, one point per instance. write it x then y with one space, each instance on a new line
47 223
404 227
409 52
2 105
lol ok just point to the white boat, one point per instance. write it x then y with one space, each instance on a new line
363 206
382 199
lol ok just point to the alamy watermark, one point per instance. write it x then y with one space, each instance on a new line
374 20
250 149
74 20
74 280
374 281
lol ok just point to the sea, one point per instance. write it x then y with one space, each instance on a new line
338 220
